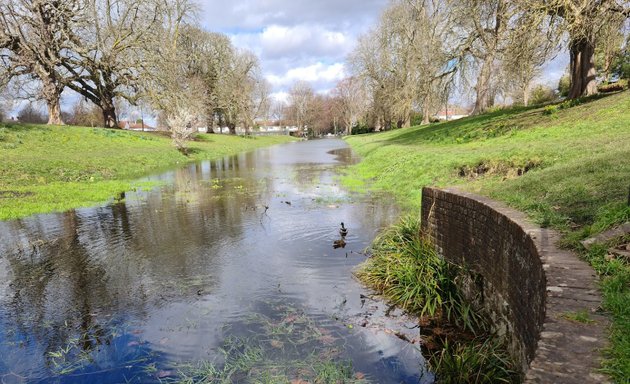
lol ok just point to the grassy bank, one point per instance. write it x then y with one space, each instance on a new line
567 166
49 168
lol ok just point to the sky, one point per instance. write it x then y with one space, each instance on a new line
307 40
294 39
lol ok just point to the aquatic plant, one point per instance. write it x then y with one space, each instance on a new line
288 348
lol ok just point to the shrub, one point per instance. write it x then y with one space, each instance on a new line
564 85
542 94
361 128
550 110
613 87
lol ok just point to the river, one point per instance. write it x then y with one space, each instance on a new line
226 272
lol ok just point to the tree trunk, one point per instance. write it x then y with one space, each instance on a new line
52 94
54 112
484 97
582 68
426 115
109 114
232 128
526 94
426 119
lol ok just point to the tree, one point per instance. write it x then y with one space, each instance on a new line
247 91
407 61
171 88
31 115
33 36
85 114
530 45
351 102
610 47
111 48
485 26
582 21
301 99
210 56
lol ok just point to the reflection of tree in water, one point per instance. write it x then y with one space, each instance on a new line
56 290
80 272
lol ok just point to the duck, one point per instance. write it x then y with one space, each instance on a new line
343 231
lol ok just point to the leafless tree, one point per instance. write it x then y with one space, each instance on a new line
85 114
351 102
583 22
171 88
301 98
529 46
407 61
33 37
31 115
111 49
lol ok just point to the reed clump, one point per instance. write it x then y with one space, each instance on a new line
406 269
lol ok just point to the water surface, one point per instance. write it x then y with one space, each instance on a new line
229 262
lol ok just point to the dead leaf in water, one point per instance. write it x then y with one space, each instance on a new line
327 339
277 344
164 374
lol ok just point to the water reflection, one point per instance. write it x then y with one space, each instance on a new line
131 290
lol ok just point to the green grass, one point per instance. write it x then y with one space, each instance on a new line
51 168
569 170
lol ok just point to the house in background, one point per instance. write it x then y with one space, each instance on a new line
452 113
135 126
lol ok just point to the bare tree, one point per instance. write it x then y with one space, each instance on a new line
485 25
583 22
610 45
530 45
85 114
31 115
210 58
111 47
171 88
301 97
352 102
33 36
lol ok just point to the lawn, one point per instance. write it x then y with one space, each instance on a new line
52 168
566 165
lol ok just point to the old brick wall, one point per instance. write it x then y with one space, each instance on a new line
504 262
524 282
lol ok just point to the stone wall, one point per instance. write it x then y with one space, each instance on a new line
523 281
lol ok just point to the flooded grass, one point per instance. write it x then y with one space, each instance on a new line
53 169
286 348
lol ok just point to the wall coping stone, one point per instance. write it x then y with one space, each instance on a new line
566 351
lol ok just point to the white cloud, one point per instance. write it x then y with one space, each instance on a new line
318 74
295 39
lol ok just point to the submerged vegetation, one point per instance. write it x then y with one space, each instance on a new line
285 348
573 177
407 270
52 168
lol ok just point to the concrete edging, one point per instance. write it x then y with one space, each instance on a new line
529 284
